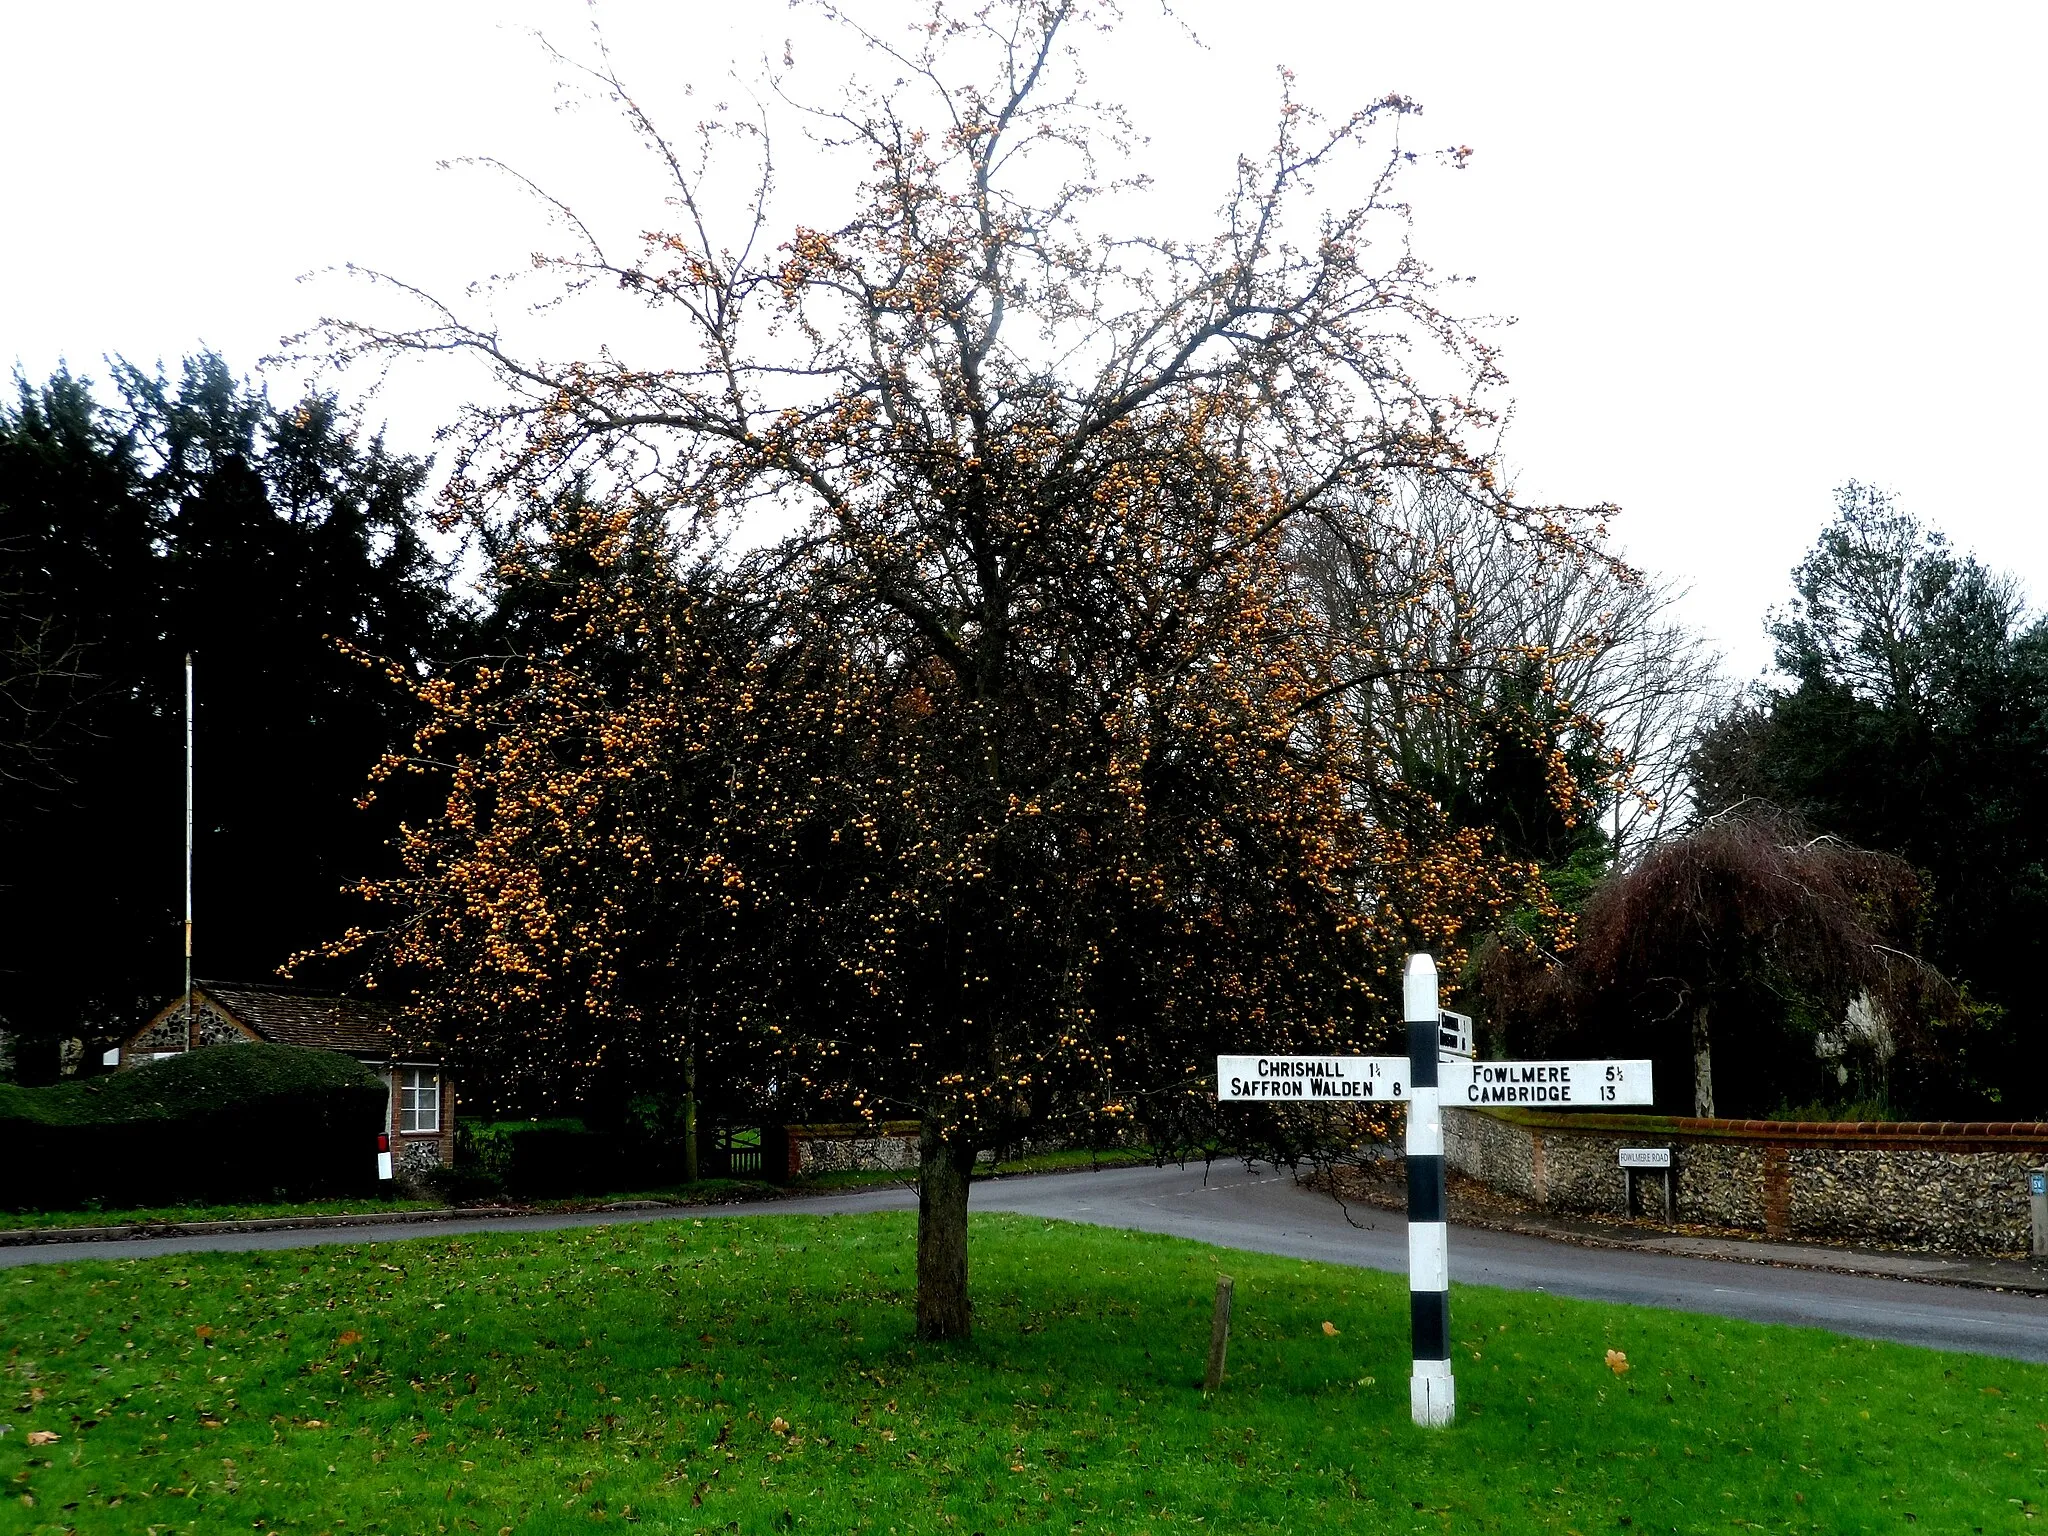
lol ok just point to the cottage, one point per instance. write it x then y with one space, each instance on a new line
421 1112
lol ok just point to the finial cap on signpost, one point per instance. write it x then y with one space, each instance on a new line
1420 991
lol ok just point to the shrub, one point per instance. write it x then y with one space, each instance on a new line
541 1157
236 1122
464 1184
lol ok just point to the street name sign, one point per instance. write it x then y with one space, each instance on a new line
1646 1157
1537 1084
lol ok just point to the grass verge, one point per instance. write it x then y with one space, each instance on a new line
758 1375
1080 1160
171 1215
704 1191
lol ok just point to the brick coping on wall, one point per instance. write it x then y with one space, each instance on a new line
1930 1135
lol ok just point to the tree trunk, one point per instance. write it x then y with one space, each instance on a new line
1702 1066
691 1166
943 1170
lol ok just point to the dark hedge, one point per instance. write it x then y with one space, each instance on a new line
231 1122
546 1157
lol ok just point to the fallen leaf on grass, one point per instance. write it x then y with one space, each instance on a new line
316 1423
351 1337
780 1426
211 1423
203 1331
1617 1362
1330 1329
43 1437
422 1437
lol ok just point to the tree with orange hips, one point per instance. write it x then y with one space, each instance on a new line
561 919
1015 779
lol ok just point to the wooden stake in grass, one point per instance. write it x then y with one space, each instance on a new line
1219 1335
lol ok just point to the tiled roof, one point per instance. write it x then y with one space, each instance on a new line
347 1024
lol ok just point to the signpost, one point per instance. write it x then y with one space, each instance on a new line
1438 1069
1432 1393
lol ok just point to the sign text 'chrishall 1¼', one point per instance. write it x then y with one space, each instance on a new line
1534 1084
1306 1078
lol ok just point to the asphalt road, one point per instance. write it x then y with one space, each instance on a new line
1264 1211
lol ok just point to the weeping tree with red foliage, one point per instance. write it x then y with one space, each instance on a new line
1031 785
1749 932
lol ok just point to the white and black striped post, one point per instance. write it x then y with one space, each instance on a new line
1432 1397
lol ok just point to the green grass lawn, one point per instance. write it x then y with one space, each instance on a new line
758 1375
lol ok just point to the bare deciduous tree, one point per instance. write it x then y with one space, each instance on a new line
1438 603
1074 756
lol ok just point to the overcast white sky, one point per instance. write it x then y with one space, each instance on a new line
1753 250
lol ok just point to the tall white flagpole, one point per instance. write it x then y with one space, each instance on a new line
189 1042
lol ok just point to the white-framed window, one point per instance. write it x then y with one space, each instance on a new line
419 1099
